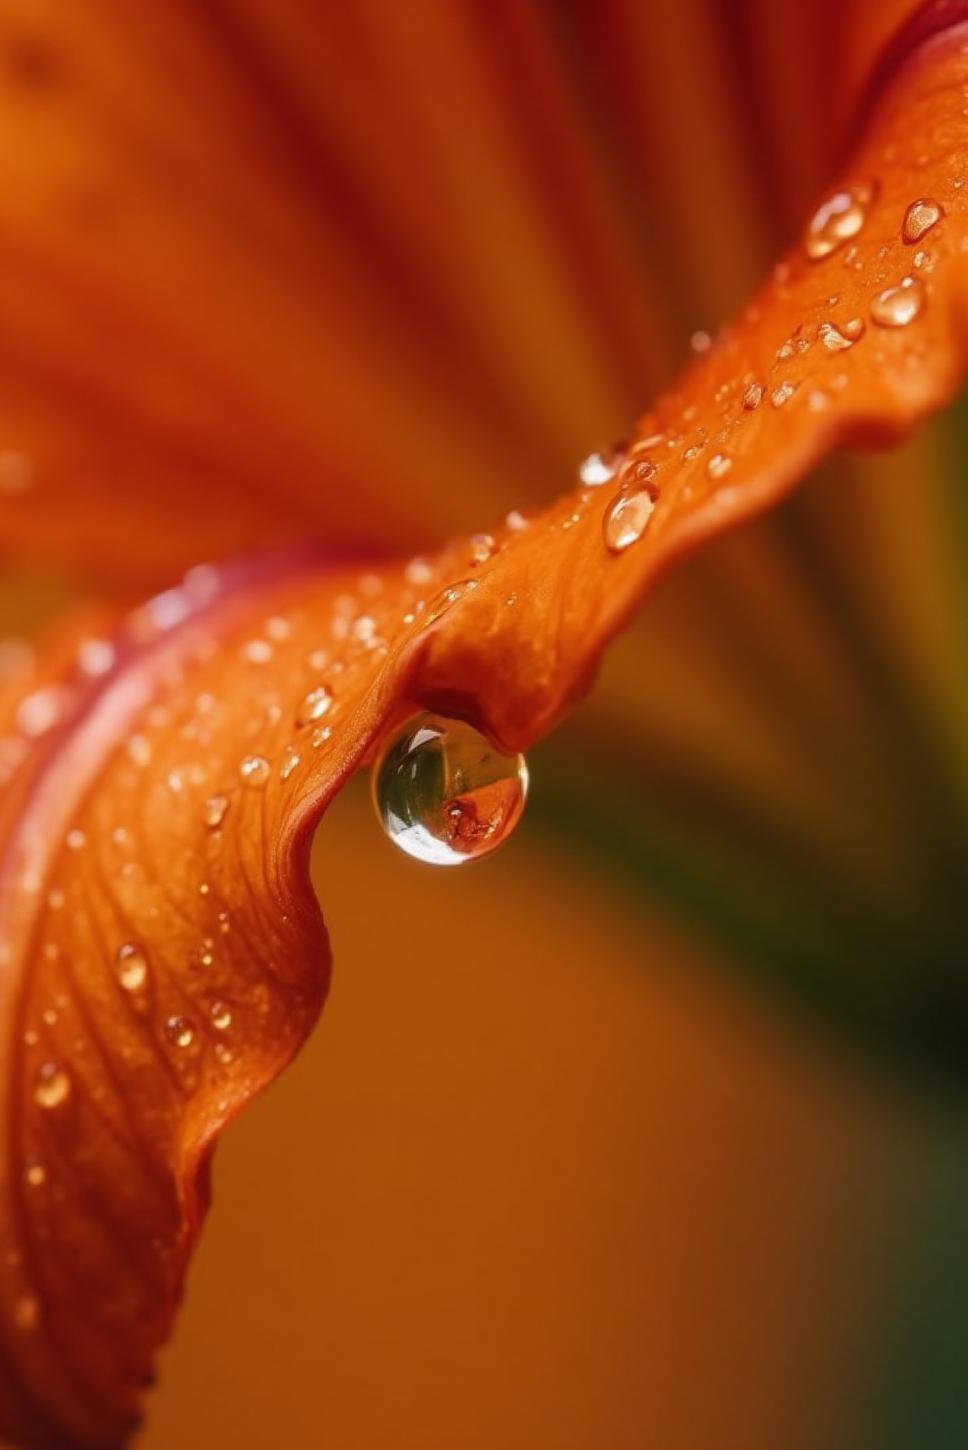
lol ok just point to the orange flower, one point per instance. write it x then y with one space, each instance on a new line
179 293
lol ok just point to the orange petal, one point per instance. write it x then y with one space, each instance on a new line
163 951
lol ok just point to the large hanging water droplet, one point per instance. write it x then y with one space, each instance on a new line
444 794
836 220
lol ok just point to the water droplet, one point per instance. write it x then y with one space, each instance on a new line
627 518
138 749
42 710
782 394
516 521
52 1086
836 338
319 737
482 547
920 217
595 470
314 706
180 1031
75 839
447 598
215 810
254 770
897 306
418 571
35 1175
719 465
753 397
95 657
817 400
221 1016
290 760
700 341
444 794
131 966
257 651
836 220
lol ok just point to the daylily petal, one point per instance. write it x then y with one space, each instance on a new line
164 951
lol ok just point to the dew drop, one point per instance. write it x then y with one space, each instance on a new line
782 394
627 518
418 571
444 794
290 760
919 218
595 470
180 1031
95 657
35 1175
138 749
482 547
447 598
75 839
898 306
254 770
221 1016
257 651
52 1086
719 465
836 220
131 966
215 810
314 706
837 338
516 521
753 397
42 710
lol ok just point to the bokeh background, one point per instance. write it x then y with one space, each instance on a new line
651 1130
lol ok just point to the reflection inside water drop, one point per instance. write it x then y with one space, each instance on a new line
444 794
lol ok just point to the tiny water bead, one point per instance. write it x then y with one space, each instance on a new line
131 966
444 794
52 1086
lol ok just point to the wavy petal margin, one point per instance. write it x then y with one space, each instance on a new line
163 953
